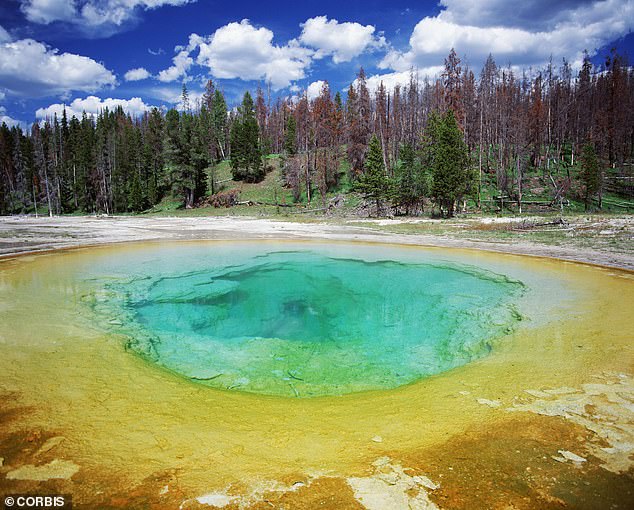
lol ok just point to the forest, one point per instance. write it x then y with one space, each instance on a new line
429 144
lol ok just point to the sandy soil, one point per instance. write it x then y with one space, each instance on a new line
26 234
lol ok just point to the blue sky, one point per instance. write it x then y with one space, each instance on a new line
87 54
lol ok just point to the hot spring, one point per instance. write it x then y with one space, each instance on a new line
305 323
163 372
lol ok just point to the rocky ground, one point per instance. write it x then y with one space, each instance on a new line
602 240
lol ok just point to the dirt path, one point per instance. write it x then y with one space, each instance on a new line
20 235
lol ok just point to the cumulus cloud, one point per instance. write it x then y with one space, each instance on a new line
240 50
9 121
29 68
181 64
94 13
174 95
47 11
93 105
139 73
585 25
314 89
531 15
342 41
402 78
4 35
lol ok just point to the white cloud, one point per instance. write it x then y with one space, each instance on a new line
4 35
139 73
29 68
174 96
531 15
9 121
93 105
402 78
47 11
584 26
195 100
194 41
342 41
314 89
90 12
239 50
166 94
182 62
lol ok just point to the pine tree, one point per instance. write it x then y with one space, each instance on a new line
135 194
452 84
186 106
7 177
448 159
177 155
590 175
374 183
246 157
412 182
153 149
290 136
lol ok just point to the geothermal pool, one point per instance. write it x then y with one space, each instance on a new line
304 322
172 371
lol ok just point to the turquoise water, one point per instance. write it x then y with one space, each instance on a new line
304 322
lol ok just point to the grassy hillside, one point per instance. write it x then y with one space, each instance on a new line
260 199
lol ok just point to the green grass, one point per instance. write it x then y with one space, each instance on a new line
264 195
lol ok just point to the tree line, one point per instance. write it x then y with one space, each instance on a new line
428 139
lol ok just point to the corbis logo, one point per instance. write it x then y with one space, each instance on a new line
45 501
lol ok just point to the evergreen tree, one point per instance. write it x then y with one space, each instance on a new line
185 105
178 156
153 150
7 180
135 195
448 159
374 183
246 157
199 156
86 166
290 136
590 174
412 182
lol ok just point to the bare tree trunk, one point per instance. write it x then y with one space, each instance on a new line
480 160
308 176
34 201
59 197
519 184
48 192
75 185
